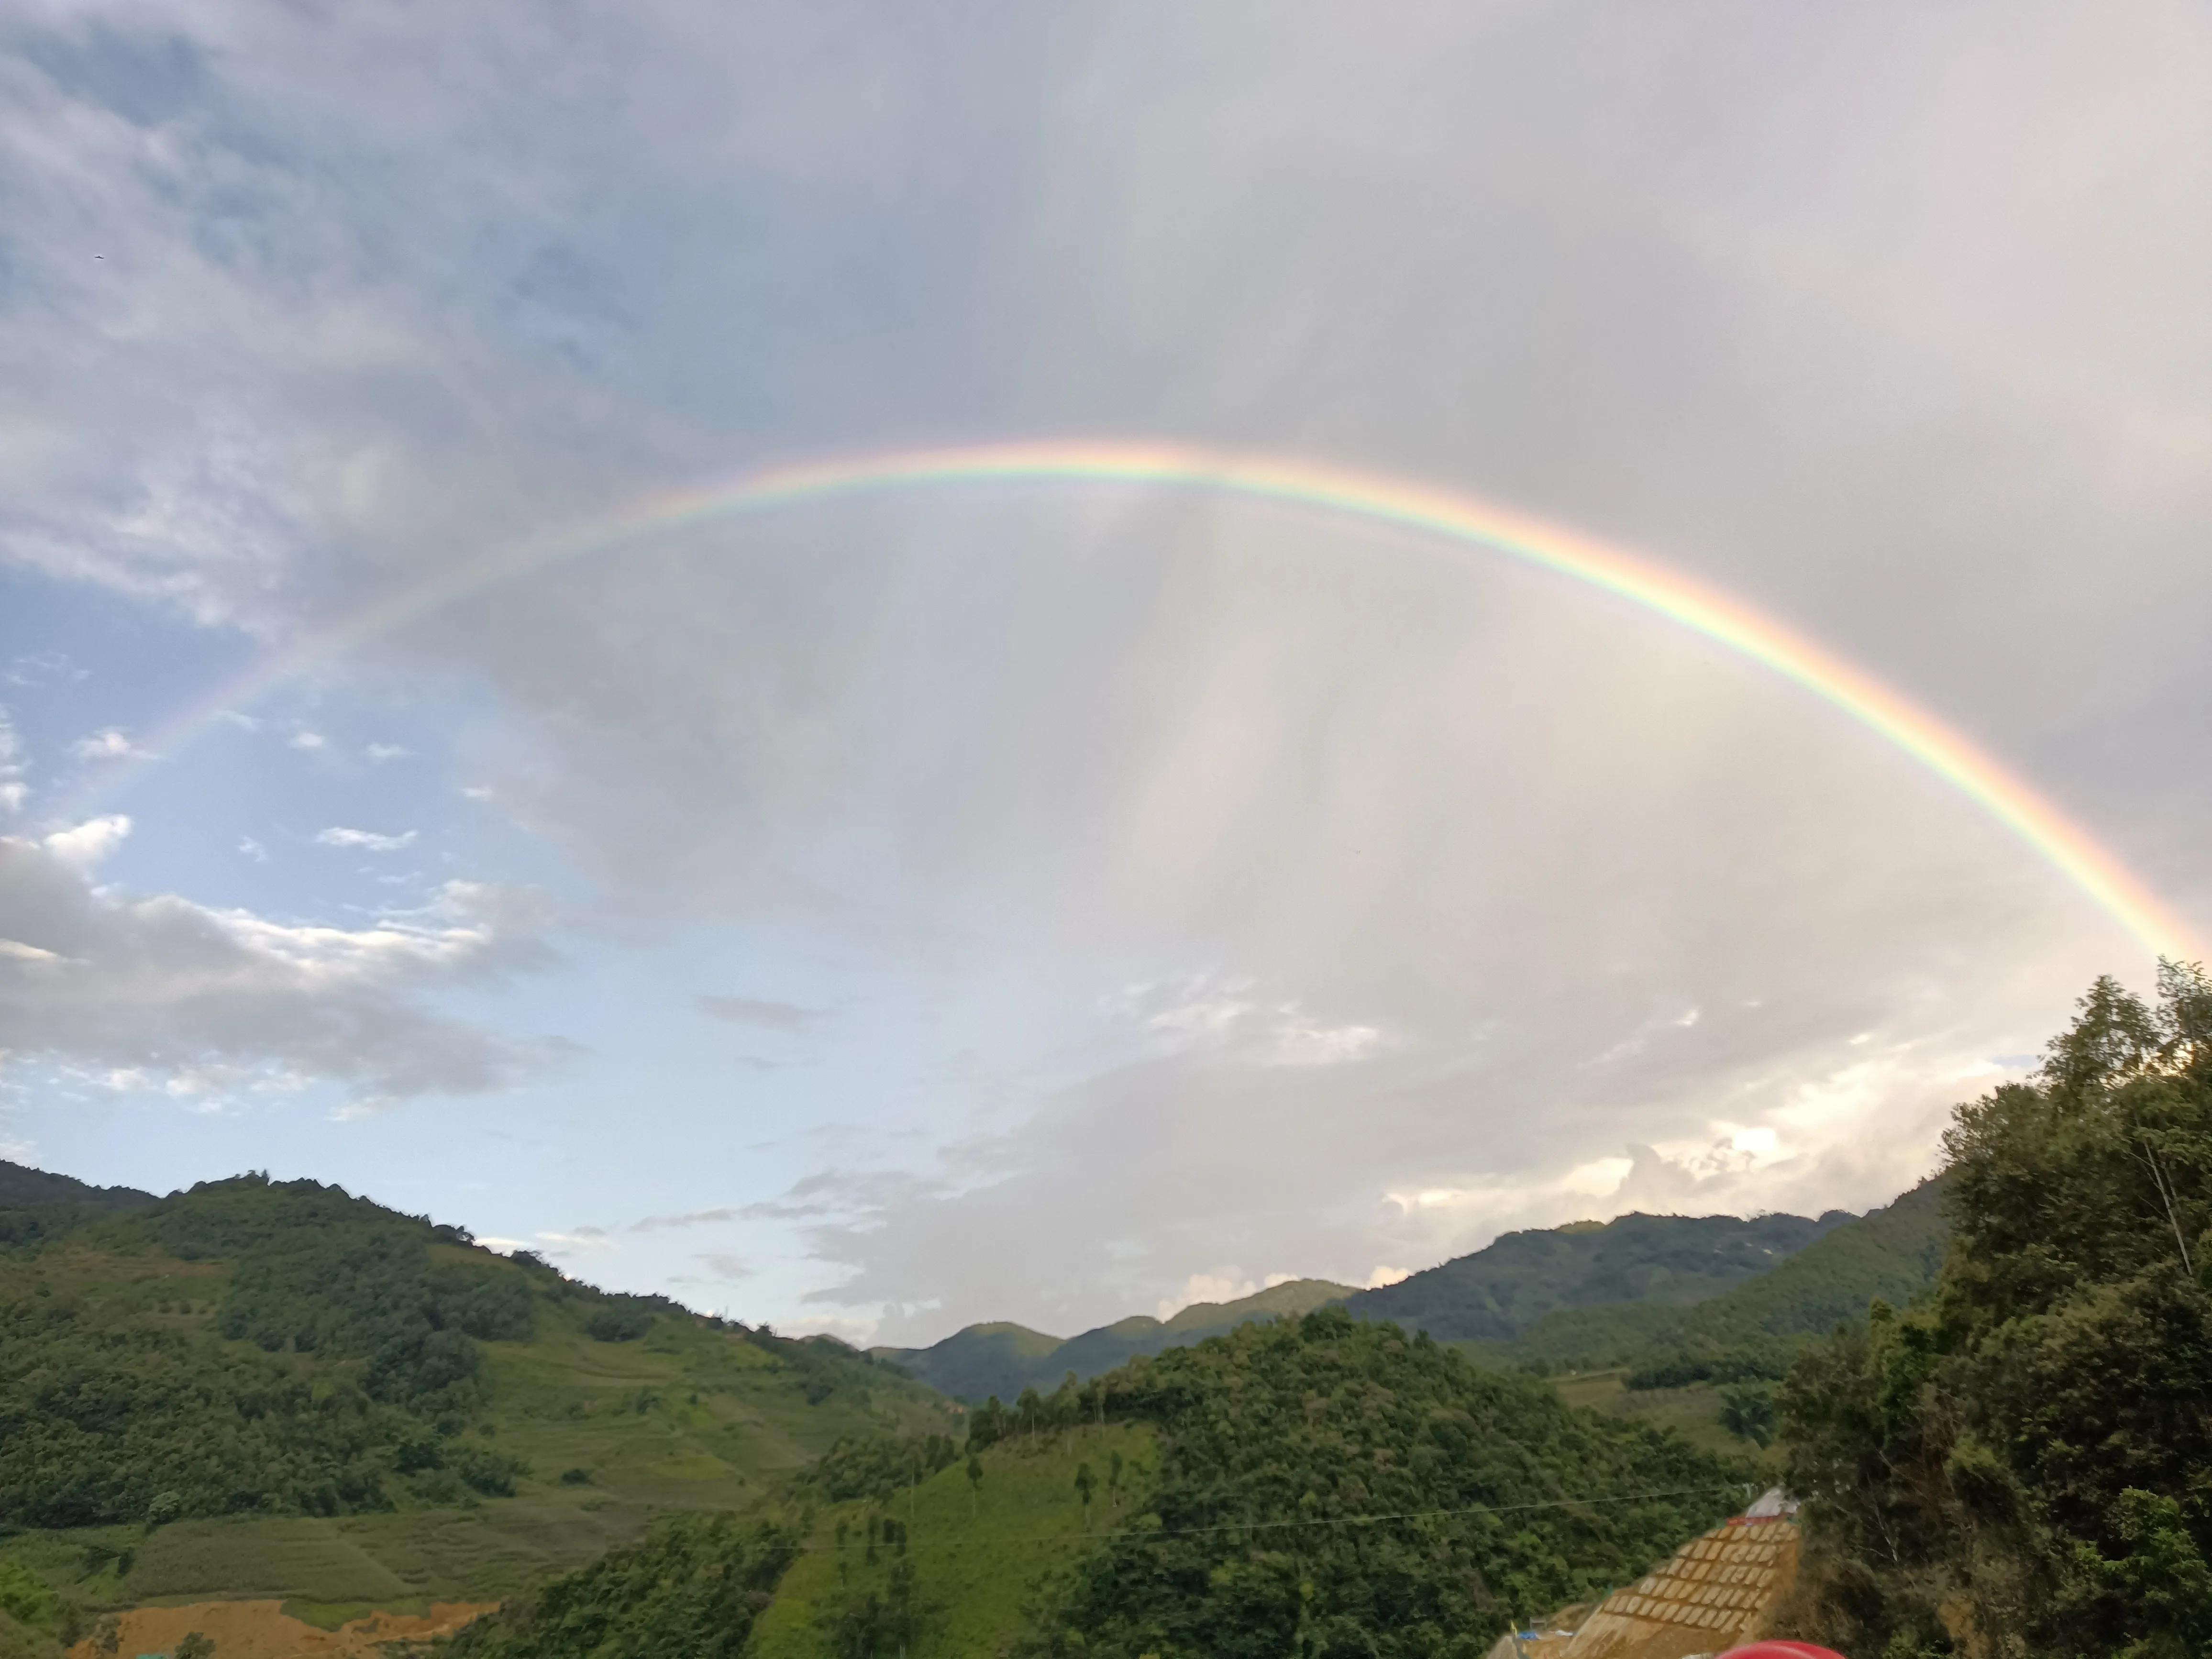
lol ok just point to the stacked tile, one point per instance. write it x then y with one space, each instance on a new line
1715 1592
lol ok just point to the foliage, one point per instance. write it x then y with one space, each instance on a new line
1747 1412
871 1623
26 1598
1497 1293
689 1588
1754 1328
35 1205
1682 1370
979 1550
21 1641
105 1418
1328 1485
255 1347
618 1324
345 1339
35 1622
876 1466
340 1275
2024 1464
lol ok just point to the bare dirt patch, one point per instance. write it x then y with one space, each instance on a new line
263 1630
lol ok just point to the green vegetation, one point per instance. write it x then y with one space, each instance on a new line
35 1622
1328 1485
2020 1464
1744 1336
1002 1360
1668 1260
953 1564
279 1389
690 1588
34 1205
1320 1486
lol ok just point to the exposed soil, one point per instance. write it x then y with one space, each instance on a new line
263 1630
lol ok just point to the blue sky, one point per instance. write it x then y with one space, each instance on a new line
1054 903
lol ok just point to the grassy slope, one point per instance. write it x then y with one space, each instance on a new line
1003 1360
979 1556
689 1417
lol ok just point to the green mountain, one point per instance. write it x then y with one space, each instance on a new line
1669 1261
35 1204
26 1189
1312 1485
277 1389
981 1361
1893 1254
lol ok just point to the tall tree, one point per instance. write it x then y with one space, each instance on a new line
2023 1464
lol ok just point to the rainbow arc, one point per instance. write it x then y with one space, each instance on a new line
1372 496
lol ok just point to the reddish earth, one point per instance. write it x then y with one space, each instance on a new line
263 1630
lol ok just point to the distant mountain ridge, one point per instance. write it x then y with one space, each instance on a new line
1619 1285
1002 1359
1669 1261
1891 1253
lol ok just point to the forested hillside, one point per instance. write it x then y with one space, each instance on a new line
184 1383
1315 1486
1893 1254
2022 1464
35 1204
1497 1293
1332 1486
1002 1360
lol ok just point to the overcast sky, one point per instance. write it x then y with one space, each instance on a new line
1053 903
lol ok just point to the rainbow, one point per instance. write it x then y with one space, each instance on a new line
1372 496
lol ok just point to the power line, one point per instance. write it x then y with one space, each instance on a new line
1301 1521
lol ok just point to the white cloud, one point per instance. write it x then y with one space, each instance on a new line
84 847
366 840
1202 1013
254 849
307 740
1224 1285
203 998
44 668
585 1241
109 744
1382 1276
381 752
725 1266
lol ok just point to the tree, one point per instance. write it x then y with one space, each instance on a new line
195 1646
2020 1463
1084 1484
1747 1412
975 1483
